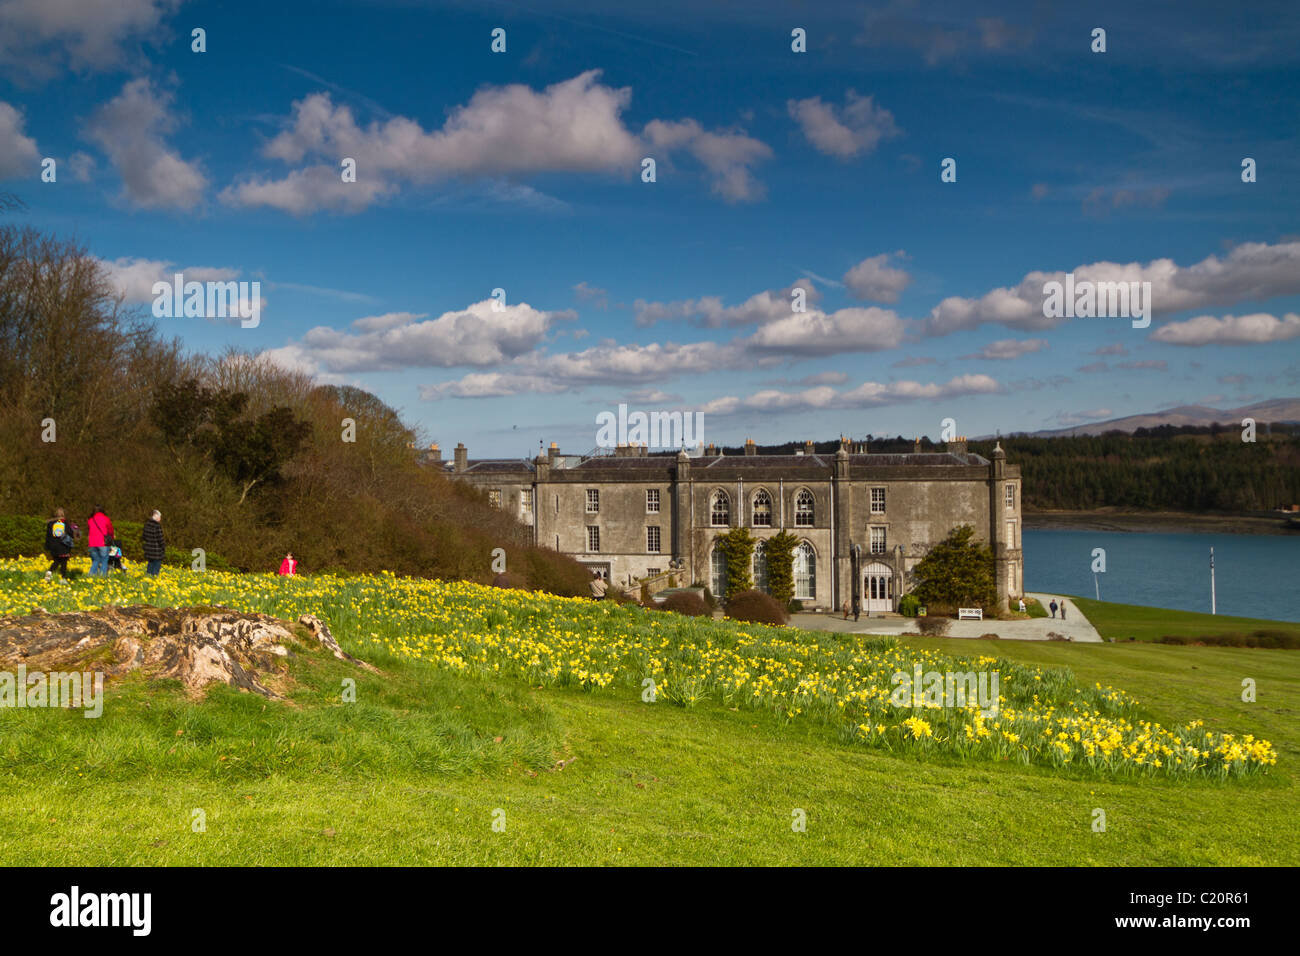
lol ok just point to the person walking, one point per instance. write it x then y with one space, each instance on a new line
99 535
58 544
155 545
845 609
1052 607
289 567
1062 609
857 608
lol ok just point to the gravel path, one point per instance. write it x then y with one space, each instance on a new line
1075 626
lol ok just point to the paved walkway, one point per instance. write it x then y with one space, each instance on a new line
1076 626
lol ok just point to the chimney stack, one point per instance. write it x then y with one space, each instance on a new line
435 454
553 452
916 449
808 448
462 457
750 447
957 447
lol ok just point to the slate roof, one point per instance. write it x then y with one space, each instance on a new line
819 464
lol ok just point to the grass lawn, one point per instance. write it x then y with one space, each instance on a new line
413 772
1122 621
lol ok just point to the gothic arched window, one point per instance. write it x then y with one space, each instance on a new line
803 509
720 510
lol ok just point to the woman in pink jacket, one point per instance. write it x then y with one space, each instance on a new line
99 537
289 567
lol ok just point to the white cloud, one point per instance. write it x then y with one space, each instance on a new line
875 279
18 153
1251 271
573 126
1255 329
709 312
591 293
819 333
130 129
477 335
856 128
727 156
40 37
866 395
134 277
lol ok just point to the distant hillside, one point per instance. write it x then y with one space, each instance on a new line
1273 410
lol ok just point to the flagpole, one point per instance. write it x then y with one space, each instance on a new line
1213 604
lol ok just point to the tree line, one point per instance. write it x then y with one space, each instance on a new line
245 459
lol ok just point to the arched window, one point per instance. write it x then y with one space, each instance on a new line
803 509
718 577
762 511
805 572
720 510
760 566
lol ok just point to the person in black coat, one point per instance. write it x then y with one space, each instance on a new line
58 544
155 546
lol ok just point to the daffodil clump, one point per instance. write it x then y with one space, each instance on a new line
1042 715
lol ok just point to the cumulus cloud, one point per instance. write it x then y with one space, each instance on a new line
573 126
866 395
728 156
875 279
709 312
606 364
1004 349
40 37
478 335
18 153
134 277
591 293
815 332
843 132
131 129
1256 329
1251 271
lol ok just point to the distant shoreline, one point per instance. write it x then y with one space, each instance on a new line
1158 522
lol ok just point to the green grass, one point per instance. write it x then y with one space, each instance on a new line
412 773
1122 621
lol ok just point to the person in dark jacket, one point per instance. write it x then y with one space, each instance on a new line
58 544
155 546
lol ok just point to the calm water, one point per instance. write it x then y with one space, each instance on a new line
1255 575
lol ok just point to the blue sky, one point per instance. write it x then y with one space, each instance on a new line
522 171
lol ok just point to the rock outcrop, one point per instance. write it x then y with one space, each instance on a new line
197 646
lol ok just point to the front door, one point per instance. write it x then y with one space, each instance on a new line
877 588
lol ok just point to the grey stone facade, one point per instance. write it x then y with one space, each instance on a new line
602 510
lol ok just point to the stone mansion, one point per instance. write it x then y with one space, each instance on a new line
630 515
